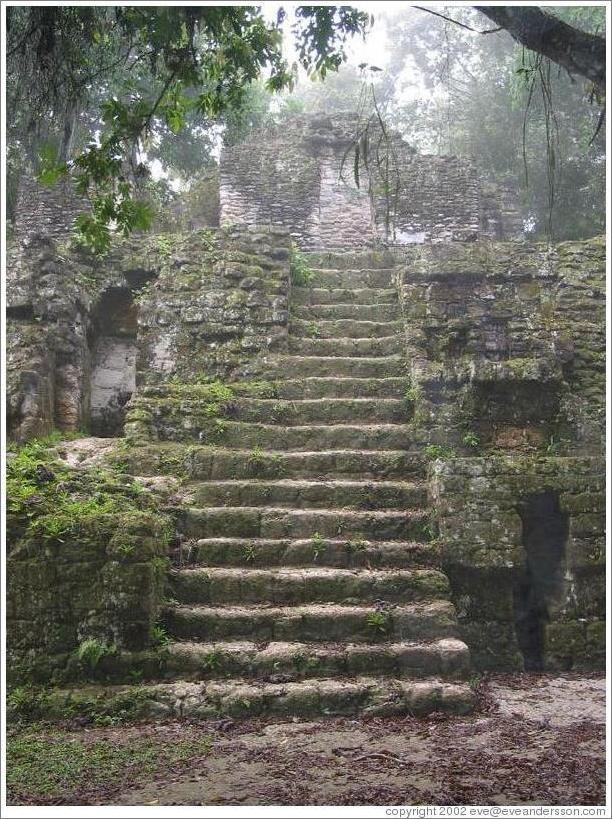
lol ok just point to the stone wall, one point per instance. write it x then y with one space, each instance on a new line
83 331
54 293
300 175
218 300
43 210
478 503
507 344
86 561
507 351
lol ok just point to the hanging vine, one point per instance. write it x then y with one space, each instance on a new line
537 76
373 152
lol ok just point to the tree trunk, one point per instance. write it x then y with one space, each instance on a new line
575 50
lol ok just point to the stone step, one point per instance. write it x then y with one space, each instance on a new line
270 522
355 367
344 328
343 295
313 387
323 622
348 279
297 587
288 662
384 346
317 410
307 494
274 437
364 696
345 259
298 438
346 554
211 463
357 312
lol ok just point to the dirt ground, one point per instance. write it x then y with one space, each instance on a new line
536 740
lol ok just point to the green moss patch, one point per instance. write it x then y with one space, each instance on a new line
50 767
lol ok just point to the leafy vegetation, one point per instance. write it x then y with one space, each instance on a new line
49 501
54 766
435 452
91 651
470 439
318 545
301 273
379 621
92 89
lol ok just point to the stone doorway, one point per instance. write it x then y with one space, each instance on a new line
540 584
113 361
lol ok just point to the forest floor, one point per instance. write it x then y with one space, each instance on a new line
535 740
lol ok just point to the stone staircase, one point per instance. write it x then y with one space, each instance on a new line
308 581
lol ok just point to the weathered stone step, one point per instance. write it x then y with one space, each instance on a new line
367 696
270 522
318 410
211 463
384 346
358 312
343 295
303 494
324 622
296 587
357 278
343 328
313 437
297 438
356 367
345 553
344 258
286 662
313 387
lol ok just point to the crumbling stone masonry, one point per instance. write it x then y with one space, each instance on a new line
379 480
302 177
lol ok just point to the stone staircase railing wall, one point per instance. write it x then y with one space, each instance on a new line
507 351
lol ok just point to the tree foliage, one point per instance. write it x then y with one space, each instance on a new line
91 89
521 118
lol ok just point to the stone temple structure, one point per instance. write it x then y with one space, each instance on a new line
372 468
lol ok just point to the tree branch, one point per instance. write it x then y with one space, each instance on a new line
569 47
456 22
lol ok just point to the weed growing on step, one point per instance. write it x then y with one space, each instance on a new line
281 411
256 389
318 545
471 440
379 622
552 446
313 329
249 552
212 661
299 270
158 636
434 452
355 545
413 393
91 652
256 460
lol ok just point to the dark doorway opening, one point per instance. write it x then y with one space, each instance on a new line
541 581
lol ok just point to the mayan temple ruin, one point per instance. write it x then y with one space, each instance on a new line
343 450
